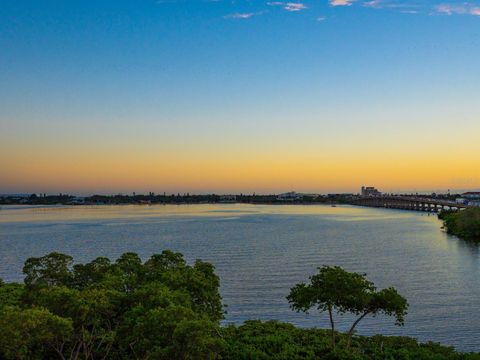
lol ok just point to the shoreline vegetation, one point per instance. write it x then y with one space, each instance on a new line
175 199
164 308
464 224
152 198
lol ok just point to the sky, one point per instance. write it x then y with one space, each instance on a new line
218 96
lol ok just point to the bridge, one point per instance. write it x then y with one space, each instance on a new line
409 203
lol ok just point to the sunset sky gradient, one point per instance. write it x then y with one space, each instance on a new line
239 96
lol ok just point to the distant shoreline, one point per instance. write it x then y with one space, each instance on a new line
290 198
186 203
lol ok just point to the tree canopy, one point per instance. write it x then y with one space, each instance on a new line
464 224
333 289
162 308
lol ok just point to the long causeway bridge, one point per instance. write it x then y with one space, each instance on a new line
408 203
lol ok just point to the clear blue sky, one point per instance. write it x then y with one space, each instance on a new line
230 85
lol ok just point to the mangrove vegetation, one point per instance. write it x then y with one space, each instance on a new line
465 224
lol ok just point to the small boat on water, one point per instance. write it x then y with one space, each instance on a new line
333 205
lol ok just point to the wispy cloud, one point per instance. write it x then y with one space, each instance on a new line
295 6
240 15
289 6
402 6
458 9
374 4
388 4
449 9
341 2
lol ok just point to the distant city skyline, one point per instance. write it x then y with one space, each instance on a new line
246 96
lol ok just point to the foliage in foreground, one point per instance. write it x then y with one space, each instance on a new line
164 308
160 309
465 224
280 341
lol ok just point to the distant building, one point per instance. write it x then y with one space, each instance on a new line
370 191
289 196
466 201
471 195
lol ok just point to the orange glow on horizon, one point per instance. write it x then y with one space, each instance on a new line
235 170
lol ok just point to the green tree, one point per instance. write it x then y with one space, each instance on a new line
49 270
132 270
167 260
335 290
163 308
10 294
200 281
32 333
93 312
170 331
92 273
464 224
386 301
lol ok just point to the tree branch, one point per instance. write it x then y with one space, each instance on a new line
332 324
350 332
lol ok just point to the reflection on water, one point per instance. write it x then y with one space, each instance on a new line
260 251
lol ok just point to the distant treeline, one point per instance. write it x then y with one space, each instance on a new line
166 309
152 198
35 199
186 198
465 223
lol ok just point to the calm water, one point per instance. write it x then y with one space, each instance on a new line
261 251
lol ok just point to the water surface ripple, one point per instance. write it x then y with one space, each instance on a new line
260 252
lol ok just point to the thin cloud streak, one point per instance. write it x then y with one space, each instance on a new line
295 6
458 9
240 15
289 6
342 2
403 6
387 4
